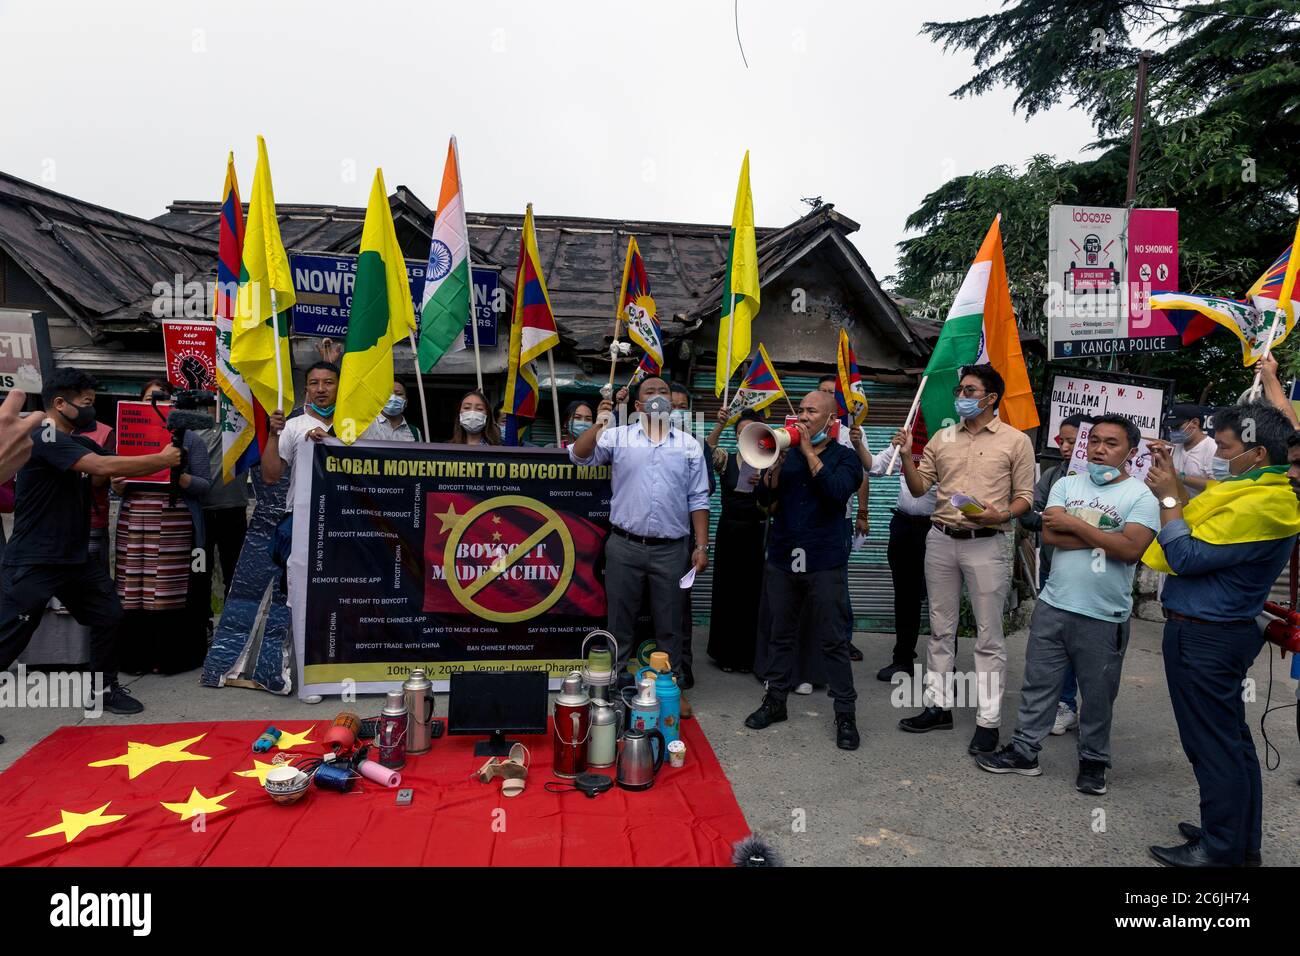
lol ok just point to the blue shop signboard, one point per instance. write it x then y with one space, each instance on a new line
323 286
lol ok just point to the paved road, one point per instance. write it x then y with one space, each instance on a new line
901 799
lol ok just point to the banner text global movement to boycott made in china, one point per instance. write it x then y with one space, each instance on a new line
445 557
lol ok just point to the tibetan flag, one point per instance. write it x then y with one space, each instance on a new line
849 396
647 368
243 422
444 311
1256 506
1251 319
637 308
532 329
980 329
740 291
258 332
758 389
382 314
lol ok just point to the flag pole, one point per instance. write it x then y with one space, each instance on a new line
469 268
555 395
419 383
279 367
907 422
1268 347
731 331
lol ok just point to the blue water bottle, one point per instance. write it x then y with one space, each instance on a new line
669 694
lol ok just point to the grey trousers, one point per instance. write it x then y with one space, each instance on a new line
628 568
1096 648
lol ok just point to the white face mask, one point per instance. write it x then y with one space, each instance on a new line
473 422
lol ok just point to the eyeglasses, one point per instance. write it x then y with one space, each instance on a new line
970 391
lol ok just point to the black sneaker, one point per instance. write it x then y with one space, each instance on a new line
686 680
985 741
854 653
1008 760
1092 777
932 718
886 674
1193 834
118 700
846 732
769 712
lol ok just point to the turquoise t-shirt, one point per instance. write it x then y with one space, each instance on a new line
1089 583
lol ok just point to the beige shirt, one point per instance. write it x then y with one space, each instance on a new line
995 465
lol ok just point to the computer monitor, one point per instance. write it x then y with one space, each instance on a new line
496 703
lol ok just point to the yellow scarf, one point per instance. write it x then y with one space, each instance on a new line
1256 506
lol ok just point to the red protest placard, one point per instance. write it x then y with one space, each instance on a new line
141 432
191 354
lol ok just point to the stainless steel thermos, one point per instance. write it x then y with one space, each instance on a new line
418 691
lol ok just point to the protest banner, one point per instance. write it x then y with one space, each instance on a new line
191 354
141 432
443 557
1144 400
25 357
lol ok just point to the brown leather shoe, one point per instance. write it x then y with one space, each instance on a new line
687 711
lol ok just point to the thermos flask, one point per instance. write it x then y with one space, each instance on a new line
644 707
572 727
391 736
604 735
669 694
418 691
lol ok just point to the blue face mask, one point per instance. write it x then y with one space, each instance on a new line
326 412
395 406
1102 474
967 407
577 428
1178 437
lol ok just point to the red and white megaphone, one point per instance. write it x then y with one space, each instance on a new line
760 445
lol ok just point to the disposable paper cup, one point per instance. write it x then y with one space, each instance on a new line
677 753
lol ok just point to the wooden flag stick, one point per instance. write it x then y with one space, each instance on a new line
279 362
555 396
907 423
469 268
419 383
613 354
1268 347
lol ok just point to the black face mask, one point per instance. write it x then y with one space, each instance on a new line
84 420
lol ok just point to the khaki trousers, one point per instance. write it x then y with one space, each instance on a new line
982 565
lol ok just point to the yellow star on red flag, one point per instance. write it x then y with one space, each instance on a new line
288 741
73 824
198 803
259 771
141 757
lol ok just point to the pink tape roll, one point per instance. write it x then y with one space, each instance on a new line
379 774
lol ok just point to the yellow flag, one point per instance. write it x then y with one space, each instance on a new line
740 287
259 333
381 314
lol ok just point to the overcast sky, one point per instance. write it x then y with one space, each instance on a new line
629 111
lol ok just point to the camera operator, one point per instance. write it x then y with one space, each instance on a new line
157 534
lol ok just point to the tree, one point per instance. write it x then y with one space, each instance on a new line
1220 141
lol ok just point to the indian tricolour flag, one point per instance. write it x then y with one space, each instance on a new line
980 329
445 307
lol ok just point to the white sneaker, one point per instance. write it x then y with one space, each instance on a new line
1065 719
804 689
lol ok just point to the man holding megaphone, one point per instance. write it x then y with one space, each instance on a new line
810 477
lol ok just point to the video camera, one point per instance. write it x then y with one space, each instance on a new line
183 417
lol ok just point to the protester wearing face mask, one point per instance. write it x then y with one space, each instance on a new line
1193 450
1081 620
286 436
48 554
1222 551
985 459
659 516
473 426
391 425
578 417
807 565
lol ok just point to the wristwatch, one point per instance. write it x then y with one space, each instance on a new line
1168 501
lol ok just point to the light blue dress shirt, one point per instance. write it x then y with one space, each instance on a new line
656 485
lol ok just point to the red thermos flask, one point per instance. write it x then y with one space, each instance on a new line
572 729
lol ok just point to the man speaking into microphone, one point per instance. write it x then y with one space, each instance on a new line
807 563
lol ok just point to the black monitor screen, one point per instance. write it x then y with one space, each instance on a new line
488 701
